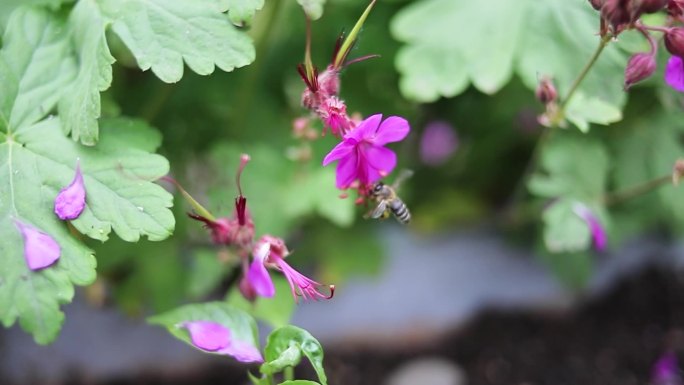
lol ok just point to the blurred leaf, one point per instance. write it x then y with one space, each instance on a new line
453 43
79 107
299 382
276 311
312 8
564 230
258 381
582 110
572 269
285 347
8 6
315 191
205 273
162 34
241 12
242 327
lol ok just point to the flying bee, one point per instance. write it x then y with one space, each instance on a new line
389 202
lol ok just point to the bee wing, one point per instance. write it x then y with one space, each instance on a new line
403 175
379 210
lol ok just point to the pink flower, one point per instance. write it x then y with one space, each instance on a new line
666 370
438 143
40 250
214 337
70 202
334 115
361 154
598 233
674 73
272 251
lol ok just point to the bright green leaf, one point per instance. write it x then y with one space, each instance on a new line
582 110
312 8
35 163
35 66
276 311
162 34
241 12
451 43
79 107
8 6
242 327
285 347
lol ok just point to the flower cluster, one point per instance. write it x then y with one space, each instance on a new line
620 15
238 232
361 155
40 249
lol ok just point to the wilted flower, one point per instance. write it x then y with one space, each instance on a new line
438 143
639 67
40 249
333 112
362 155
70 202
214 337
666 370
272 251
674 73
598 233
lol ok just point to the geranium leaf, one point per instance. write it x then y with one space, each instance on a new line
8 6
79 108
286 345
312 8
453 43
36 161
240 12
162 34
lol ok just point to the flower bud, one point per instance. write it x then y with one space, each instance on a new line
546 91
675 7
674 41
617 13
597 4
677 171
639 67
652 6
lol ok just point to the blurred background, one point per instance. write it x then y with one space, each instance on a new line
465 294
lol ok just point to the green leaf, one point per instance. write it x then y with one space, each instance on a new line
241 12
564 230
276 311
8 6
242 327
258 381
285 347
35 163
162 34
79 107
312 8
572 269
299 382
314 191
35 67
451 44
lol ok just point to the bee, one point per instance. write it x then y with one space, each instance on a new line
389 202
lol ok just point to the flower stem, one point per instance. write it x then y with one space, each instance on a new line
288 373
560 113
620 196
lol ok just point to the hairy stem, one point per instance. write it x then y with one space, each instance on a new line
629 193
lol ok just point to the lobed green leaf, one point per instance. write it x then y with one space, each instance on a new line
286 345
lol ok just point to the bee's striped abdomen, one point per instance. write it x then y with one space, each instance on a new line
400 210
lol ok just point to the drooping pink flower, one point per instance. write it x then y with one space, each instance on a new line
666 370
214 337
333 112
272 251
40 249
438 143
598 233
70 202
674 73
362 156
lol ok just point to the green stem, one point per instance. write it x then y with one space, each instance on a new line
288 373
560 114
635 191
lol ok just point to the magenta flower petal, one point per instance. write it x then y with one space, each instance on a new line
71 200
207 335
666 370
301 285
438 143
598 233
381 159
674 73
258 276
343 149
242 352
366 129
393 129
347 172
40 249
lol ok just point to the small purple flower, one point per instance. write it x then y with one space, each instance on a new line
438 143
674 73
666 370
71 200
214 337
270 250
362 155
598 233
40 250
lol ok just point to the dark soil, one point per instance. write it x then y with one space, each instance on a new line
613 340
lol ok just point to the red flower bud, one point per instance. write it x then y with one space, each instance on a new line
618 13
651 6
674 41
546 91
675 7
639 67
